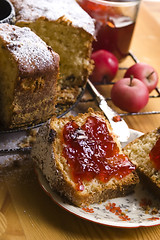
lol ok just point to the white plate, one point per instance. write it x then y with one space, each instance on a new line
125 212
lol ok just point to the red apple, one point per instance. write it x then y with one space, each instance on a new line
106 66
130 95
144 72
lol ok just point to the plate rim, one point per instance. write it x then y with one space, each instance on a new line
72 209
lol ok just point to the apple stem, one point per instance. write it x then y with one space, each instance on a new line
131 78
150 74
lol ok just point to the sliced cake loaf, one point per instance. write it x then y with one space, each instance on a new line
69 30
144 152
28 77
82 159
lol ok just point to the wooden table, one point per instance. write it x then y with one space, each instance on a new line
26 212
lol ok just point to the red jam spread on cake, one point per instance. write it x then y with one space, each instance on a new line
92 153
155 154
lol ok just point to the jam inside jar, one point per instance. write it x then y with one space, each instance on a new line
92 153
114 22
155 155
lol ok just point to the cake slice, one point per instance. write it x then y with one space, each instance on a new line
28 77
144 152
69 30
82 159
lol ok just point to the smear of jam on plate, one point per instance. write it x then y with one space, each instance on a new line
117 118
155 155
92 153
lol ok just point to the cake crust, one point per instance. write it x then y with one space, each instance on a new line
58 10
29 73
31 54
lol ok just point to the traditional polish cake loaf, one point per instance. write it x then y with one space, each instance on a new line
144 152
28 77
69 30
82 159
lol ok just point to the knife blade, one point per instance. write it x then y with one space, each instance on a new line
120 128
16 150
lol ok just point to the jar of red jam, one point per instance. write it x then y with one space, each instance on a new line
115 23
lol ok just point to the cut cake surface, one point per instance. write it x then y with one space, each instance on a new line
138 152
48 155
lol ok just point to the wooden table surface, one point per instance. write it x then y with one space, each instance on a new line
27 213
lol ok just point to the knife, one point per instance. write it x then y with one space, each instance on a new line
120 128
17 150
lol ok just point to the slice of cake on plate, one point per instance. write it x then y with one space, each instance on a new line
69 30
82 159
144 152
28 77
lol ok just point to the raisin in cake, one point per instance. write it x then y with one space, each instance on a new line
29 72
144 152
69 30
82 159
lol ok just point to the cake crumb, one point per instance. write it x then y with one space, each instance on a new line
154 211
29 140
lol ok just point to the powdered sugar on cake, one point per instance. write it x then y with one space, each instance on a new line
27 47
53 10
